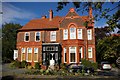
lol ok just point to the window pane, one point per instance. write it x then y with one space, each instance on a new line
53 35
89 32
79 33
26 36
65 55
35 50
72 54
89 52
37 36
65 34
72 33
72 57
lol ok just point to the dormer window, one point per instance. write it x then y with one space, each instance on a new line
26 37
37 36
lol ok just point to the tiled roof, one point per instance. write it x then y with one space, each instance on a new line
42 23
56 22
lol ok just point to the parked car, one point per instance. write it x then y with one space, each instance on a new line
105 65
74 67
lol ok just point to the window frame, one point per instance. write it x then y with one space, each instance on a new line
79 36
65 31
51 37
37 53
90 55
74 53
25 36
65 52
89 34
72 35
22 52
27 55
36 36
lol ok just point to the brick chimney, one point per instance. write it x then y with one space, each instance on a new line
50 15
90 12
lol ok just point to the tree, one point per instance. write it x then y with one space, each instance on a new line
108 48
9 36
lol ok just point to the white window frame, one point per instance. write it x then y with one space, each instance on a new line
89 34
37 53
90 55
65 34
51 37
73 34
79 32
25 36
75 55
39 36
27 55
65 52
22 51
81 51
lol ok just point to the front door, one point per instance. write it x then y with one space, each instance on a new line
52 58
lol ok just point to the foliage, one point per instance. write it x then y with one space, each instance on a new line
63 66
23 64
108 49
9 34
15 64
37 65
87 63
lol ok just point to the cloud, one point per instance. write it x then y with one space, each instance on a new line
11 13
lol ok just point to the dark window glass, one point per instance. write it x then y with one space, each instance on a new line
65 57
72 57
37 36
26 37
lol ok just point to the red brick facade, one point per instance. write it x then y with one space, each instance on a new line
71 22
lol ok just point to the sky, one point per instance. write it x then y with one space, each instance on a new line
23 12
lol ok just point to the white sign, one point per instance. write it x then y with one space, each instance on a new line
15 54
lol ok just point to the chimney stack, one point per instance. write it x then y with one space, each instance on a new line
50 15
90 12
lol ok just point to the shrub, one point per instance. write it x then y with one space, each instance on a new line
37 65
15 64
23 64
113 65
95 65
86 63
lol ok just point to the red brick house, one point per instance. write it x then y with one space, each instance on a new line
56 40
